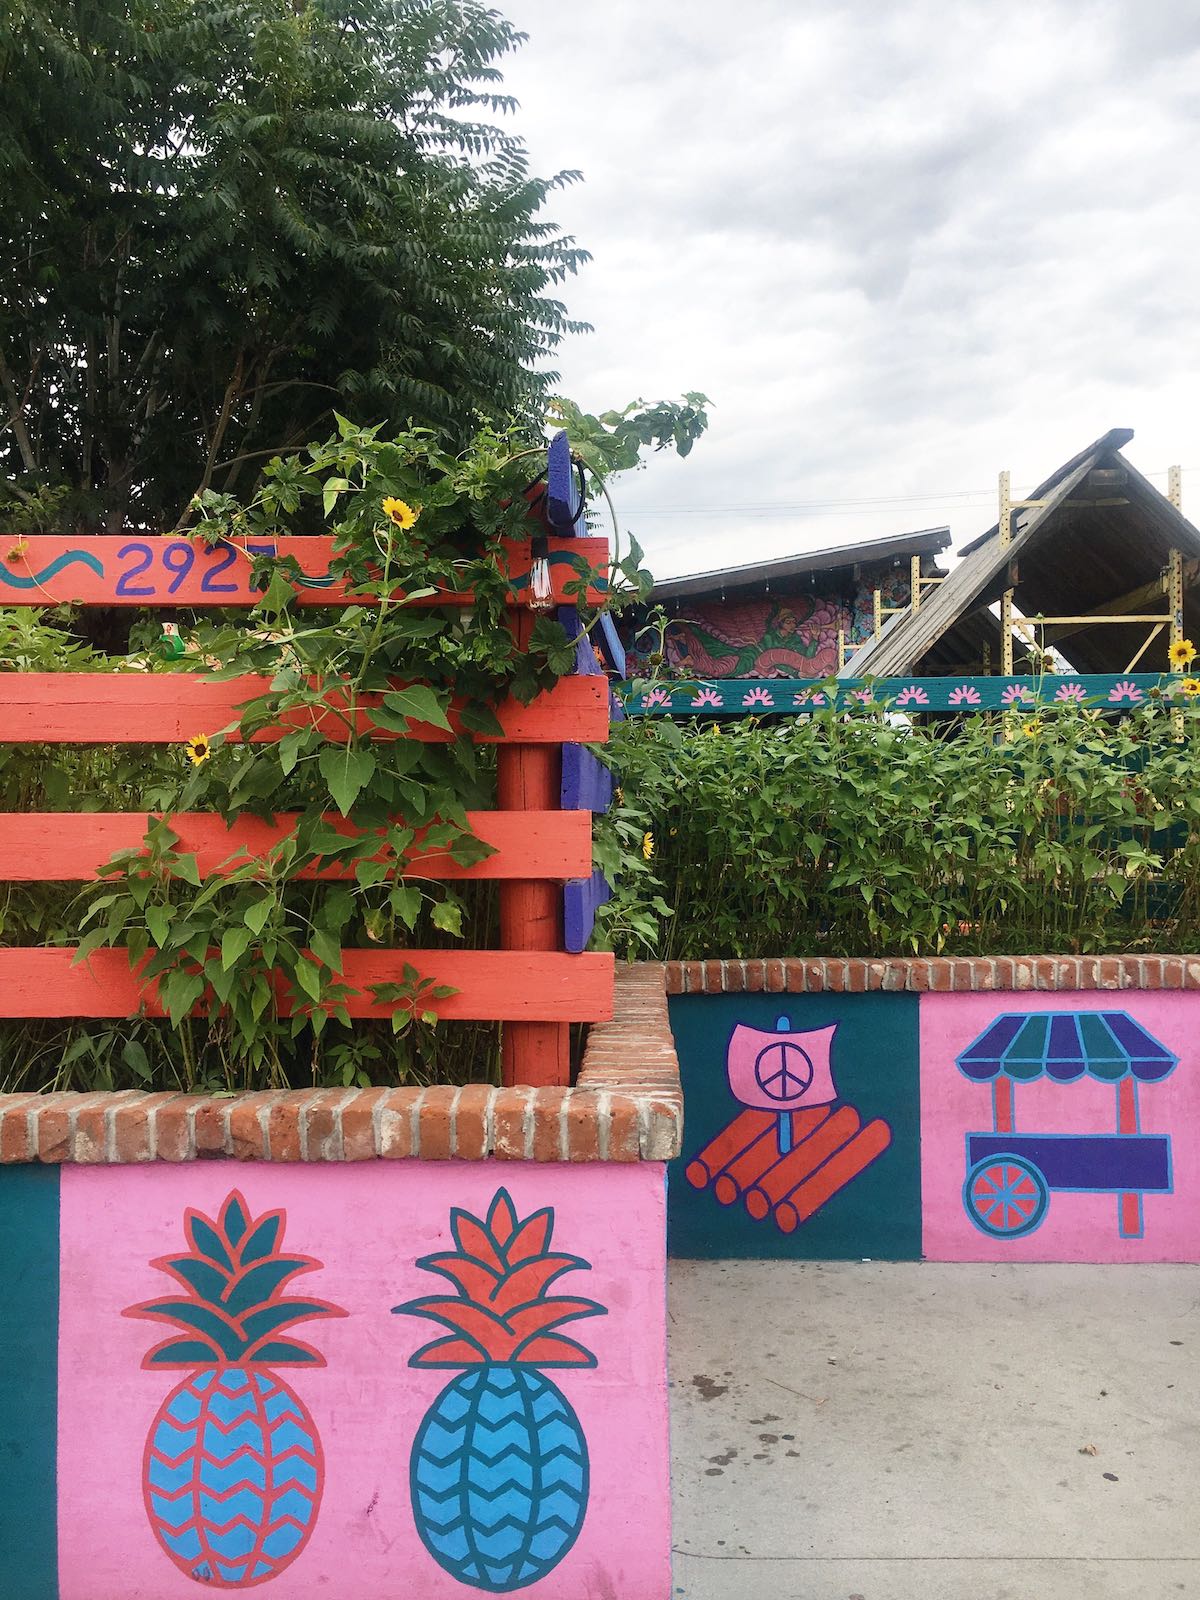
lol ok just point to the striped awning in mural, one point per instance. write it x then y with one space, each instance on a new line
1065 1045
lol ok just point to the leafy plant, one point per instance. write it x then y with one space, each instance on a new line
853 835
221 219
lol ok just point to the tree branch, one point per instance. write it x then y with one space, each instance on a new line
16 420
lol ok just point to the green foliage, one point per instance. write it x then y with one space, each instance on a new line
613 441
408 521
221 219
853 835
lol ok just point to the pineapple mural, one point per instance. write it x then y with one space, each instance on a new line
499 1466
233 1467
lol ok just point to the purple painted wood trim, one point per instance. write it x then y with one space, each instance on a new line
582 898
609 644
586 665
587 784
562 492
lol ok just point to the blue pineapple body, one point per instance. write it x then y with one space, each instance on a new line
499 1477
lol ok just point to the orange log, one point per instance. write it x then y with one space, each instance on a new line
816 1146
836 1173
735 1137
748 1167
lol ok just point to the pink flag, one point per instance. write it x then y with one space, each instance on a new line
774 1071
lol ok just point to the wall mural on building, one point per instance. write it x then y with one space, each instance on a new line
233 1467
792 636
803 1128
1089 1155
312 1458
499 1467
795 1146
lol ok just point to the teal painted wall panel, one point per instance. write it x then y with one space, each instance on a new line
856 1153
29 1382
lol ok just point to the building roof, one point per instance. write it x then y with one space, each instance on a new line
1098 543
924 542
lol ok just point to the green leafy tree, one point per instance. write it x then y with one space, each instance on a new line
221 219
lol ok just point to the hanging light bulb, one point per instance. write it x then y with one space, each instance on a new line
540 595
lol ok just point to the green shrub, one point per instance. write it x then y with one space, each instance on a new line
1068 831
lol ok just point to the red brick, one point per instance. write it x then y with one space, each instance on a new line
54 1130
133 1127
399 1131
674 980
212 1127
547 1123
755 976
436 1143
173 1137
814 976
358 1125
1173 972
775 981
714 977
916 978
471 1122
18 1140
734 977
624 1140
283 1128
247 1137
508 1124
583 1127
693 977
322 1125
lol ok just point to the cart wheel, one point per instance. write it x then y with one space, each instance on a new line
1005 1196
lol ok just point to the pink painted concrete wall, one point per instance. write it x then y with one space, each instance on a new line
1076 1226
367 1224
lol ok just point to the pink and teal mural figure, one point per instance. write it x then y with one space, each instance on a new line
1010 1174
804 1128
794 1147
233 1468
499 1469
1091 1153
313 1459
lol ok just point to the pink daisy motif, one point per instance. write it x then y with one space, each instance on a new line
911 695
1016 695
964 695
708 697
758 697
655 697
1124 691
864 695
1072 693
808 697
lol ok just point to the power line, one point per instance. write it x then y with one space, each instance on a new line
947 499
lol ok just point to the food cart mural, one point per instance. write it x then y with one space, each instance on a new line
786 1159
1058 1131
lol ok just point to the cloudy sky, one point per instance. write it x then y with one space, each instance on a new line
901 244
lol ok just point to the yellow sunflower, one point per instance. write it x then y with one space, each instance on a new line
1182 653
199 748
400 512
647 846
1190 686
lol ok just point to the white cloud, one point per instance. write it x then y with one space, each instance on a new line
901 246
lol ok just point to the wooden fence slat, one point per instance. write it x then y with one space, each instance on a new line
170 707
163 572
69 846
493 985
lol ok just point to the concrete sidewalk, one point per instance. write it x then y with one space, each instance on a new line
884 1431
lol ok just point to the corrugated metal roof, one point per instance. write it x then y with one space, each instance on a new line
924 542
1076 553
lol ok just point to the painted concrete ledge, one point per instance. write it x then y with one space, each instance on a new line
932 975
625 1107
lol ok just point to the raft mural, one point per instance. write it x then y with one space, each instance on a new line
801 1127
1036 1127
282 1463
1059 1128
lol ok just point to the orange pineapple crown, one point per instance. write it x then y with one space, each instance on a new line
502 1314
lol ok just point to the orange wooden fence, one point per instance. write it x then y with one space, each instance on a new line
530 984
